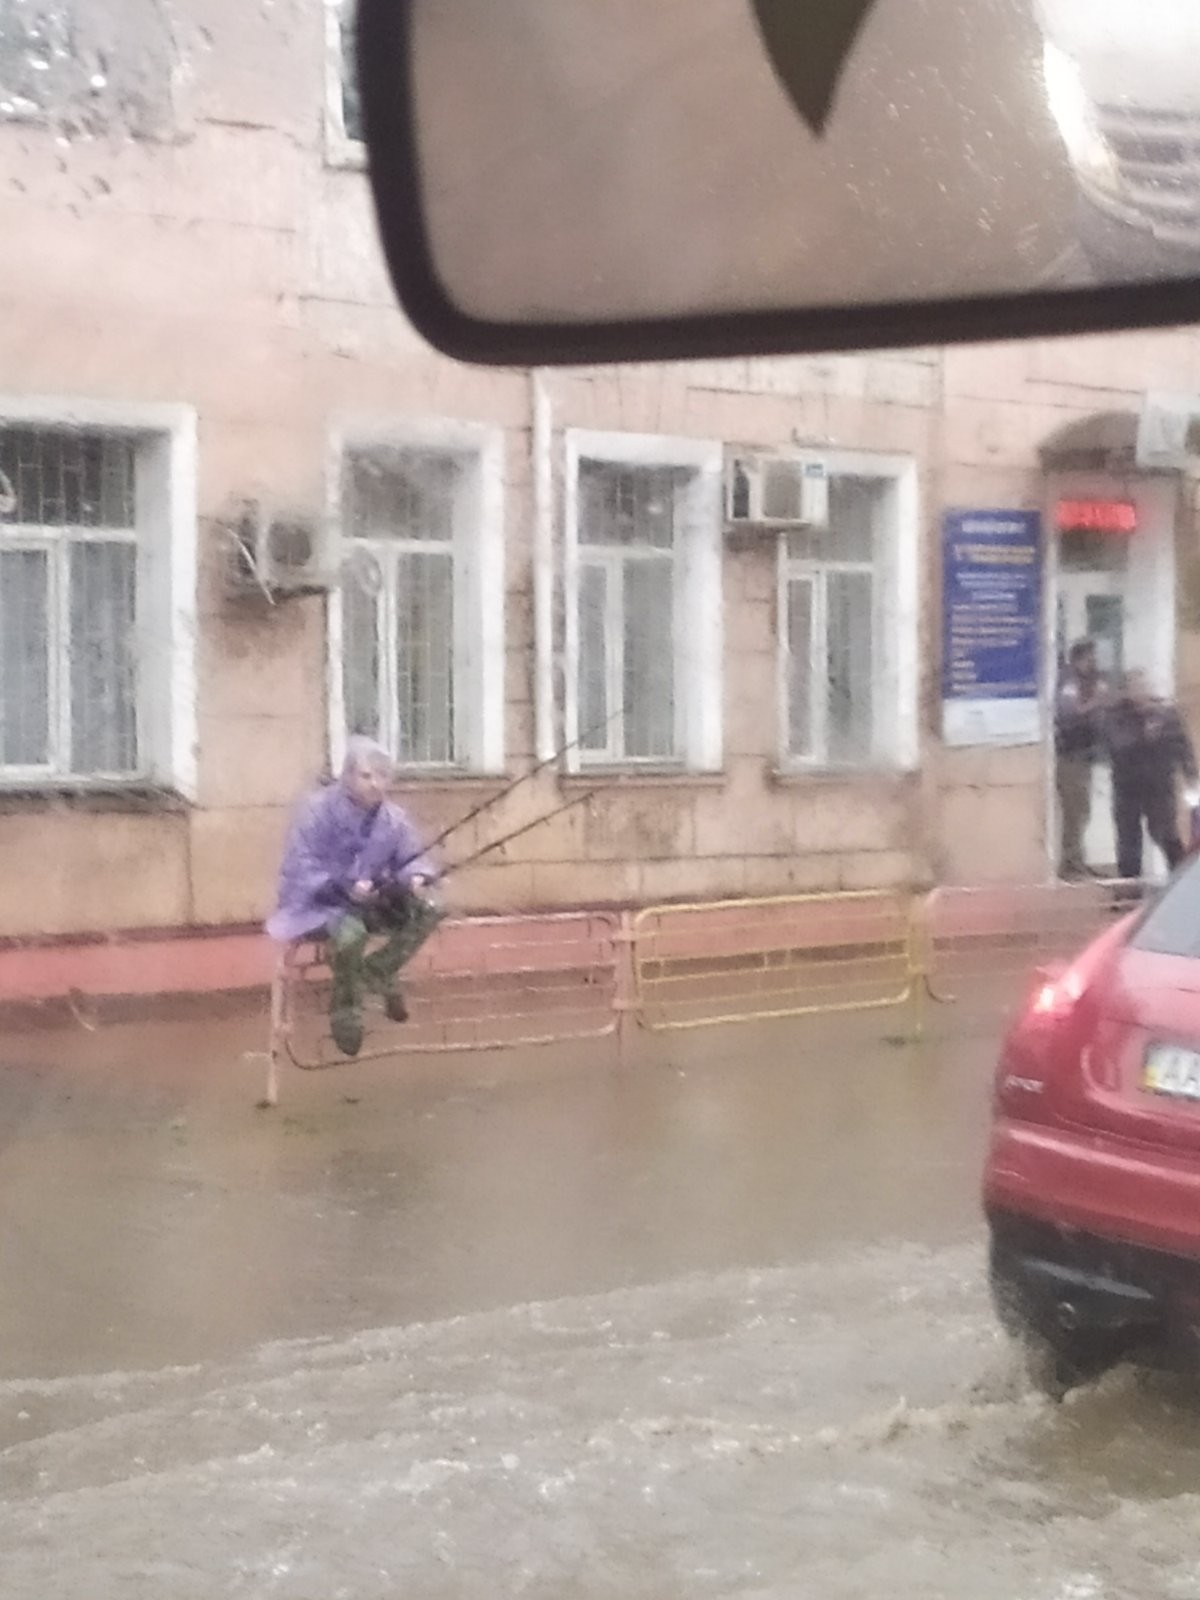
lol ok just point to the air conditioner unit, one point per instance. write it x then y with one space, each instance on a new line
776 492
1168 437
278 557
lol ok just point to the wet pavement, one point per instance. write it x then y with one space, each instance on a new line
711 1324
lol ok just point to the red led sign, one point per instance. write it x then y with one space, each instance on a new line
1096 516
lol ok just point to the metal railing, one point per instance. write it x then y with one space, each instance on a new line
977 941
481 983
718 962
490 983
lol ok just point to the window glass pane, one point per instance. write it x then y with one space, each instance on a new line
360 660
849 660
649 660
64 478
854 509
1172 925
103 657
594 731
352 119
24 658
799 666
623 505
402 494
425 657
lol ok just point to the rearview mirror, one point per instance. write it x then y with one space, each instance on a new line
561 181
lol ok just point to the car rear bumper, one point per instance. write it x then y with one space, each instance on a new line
1097 1184
1091 1233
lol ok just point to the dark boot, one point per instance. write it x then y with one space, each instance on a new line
394 1005
346 1026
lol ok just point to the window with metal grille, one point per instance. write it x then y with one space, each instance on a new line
629 531
642 621
400 607
68 604
828 640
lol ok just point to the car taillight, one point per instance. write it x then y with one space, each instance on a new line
1058 997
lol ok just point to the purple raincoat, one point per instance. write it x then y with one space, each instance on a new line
333 843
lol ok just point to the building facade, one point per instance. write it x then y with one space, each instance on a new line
208 400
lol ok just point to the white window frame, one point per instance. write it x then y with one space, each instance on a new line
479 643
165 437
697 621
895 570
340 149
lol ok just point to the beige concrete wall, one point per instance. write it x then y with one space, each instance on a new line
227 266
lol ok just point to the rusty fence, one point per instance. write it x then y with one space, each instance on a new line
481 983
488 983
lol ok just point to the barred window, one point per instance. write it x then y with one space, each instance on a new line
845 626
69 613
644 600
405 516
629 524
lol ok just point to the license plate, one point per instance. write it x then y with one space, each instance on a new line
1170 1069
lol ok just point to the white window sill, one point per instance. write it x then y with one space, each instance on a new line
794 777
345 155
626 777
417 781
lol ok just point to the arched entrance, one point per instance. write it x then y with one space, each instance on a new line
1110 574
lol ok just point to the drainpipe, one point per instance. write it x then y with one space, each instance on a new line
543 567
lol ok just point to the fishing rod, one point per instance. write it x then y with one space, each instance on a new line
508 838
510 788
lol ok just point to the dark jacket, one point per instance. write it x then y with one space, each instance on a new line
1147 744
1078 723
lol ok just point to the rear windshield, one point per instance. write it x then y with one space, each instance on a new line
1172 924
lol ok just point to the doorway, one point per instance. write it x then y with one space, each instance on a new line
1113 583
1090 604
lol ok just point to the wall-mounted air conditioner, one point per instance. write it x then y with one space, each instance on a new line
279 556
774 493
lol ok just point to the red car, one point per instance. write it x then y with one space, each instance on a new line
1092 1184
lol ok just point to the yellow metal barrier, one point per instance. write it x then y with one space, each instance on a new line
730 961
487 983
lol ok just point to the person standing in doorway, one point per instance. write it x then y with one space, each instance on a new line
1078 744
1149 746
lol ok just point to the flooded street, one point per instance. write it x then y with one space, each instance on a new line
715 1324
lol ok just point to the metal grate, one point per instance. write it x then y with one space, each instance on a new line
626 505
55 478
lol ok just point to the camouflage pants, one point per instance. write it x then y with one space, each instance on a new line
404 925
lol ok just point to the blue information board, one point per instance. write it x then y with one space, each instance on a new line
992 625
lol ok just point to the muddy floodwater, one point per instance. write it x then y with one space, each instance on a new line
714 1324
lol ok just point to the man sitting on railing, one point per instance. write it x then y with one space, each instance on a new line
352 869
